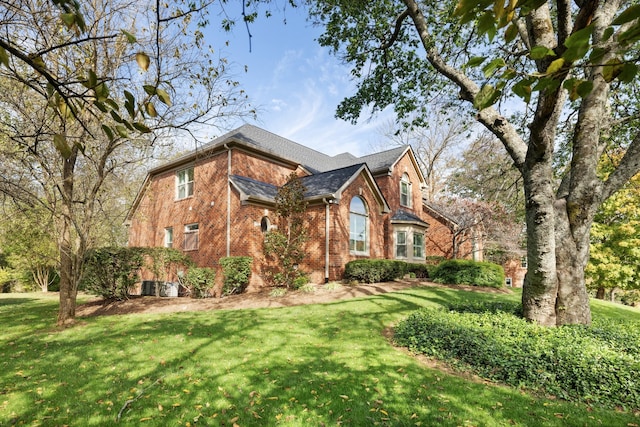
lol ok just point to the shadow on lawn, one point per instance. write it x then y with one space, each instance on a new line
308 365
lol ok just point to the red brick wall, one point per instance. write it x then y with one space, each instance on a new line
158 209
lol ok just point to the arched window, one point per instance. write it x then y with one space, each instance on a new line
358 226
265 224
405 191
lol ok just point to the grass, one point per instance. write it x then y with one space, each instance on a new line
325 364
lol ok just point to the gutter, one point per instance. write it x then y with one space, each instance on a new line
226 146
327 206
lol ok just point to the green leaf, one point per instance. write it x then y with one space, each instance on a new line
116 116
523 90
130 37
151 90
4 57
611 70
486 97
141 127
164 96
510 33
107 130
60 142
629 72
102 91
69 19
540 52
475 61
130 103
584 88
122 131
628 15
578 44
555 66
487 24
632 35
492 66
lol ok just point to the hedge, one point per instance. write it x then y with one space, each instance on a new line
597 364
467 272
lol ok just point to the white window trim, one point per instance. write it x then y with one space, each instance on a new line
191 229
397 245
168 237
405 180
188 185
365 216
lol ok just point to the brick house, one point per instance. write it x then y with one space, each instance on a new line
219 201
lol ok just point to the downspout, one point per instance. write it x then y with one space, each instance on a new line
228 200
326 239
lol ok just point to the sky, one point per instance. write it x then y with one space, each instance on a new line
297 84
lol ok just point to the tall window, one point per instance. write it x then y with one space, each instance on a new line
191 232
358 218
401 244
184 183
265 224
405 191
418 245
168 237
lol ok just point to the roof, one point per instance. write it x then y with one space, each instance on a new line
323 186
437 213
404 217
255 138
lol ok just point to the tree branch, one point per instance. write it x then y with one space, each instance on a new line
396 31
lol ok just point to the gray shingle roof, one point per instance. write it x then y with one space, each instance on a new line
326 184
407 217
250 188
310 159
329 183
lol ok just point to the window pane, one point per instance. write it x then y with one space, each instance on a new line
418 245
358 225
401 244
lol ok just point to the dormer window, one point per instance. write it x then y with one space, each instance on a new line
405 191
184 183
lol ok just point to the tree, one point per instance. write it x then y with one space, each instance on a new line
85 85
483 171
26 241
615 242
551 60
434 146
284 247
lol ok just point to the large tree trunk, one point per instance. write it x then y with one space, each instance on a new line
540 285
68 285
572 254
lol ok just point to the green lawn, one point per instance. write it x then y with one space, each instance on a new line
325 364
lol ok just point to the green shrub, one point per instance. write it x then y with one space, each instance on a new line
110 272
421 271
597 364
467 272
434 260
199 281
236 271
374 270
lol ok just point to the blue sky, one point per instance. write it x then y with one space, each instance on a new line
297 84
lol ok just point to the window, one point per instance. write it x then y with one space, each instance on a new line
358 219
405 191
265 224
401 244
184 183
508 282
418 245
523 262
191 237
168 237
